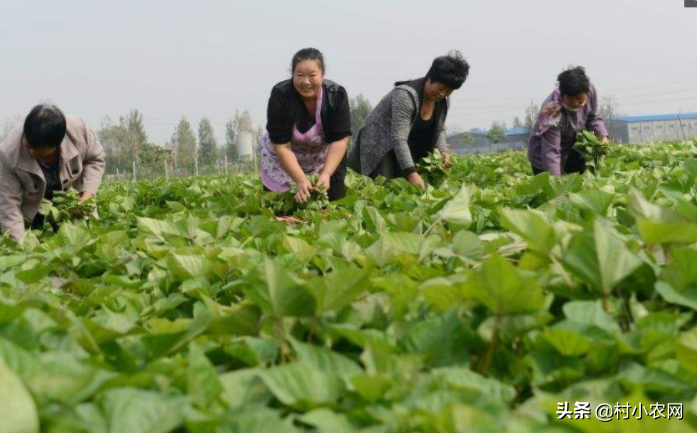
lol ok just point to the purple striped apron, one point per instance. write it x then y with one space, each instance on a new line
310 148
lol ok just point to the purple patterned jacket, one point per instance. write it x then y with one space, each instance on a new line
554 133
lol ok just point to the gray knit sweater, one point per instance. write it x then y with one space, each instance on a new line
387 127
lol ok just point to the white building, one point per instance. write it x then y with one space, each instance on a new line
661 127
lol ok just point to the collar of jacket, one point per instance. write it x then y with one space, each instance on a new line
331 91
29 164
441 110
416 89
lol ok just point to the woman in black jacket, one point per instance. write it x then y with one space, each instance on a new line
308 130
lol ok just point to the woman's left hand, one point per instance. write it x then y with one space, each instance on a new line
446 161
323 179
604 140
86 195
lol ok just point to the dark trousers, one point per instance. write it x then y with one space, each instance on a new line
388 167
574 164
38 222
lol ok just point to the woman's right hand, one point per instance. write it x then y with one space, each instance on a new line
304 190
447 163
415 179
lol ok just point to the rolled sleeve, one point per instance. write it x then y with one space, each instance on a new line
11 219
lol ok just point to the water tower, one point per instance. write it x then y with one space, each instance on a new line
245 148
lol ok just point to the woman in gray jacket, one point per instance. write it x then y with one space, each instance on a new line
408 123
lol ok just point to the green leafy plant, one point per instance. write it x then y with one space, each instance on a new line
591 148
476 306
65 206
432 168
285 203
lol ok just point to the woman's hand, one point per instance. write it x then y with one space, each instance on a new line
78 213
304 191
323 181
604 140
446 161
86 195
416 180
337 152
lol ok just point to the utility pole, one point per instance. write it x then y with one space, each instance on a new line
681 130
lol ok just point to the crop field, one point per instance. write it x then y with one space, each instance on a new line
481 305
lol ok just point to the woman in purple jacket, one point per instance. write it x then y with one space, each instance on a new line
572 107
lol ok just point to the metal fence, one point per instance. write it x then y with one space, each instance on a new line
478 148
140 172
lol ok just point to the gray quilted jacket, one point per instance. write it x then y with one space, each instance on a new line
22 183
387 127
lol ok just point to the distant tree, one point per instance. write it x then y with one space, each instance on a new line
184 144
360 108
151 159
608 109
230 140
467 137
258 136
531 113
241 121
207 144
517 123
136 131
114 140
122 142
497 132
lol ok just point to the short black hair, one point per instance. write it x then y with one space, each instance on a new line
307 54
45 127
451 70
573 81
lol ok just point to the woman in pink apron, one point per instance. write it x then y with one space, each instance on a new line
308 129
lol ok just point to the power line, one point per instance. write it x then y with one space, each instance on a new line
656 85
670 92
645 99
462 105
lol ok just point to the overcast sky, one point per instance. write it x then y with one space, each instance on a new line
207 58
